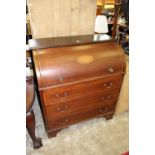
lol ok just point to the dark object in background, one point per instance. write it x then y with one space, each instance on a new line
125 9
125 45
28 35
26 9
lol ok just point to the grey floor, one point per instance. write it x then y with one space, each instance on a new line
94 137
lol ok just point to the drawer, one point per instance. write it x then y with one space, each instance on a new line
82 104
83 89
57 123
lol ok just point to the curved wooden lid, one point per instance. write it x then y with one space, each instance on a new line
56 66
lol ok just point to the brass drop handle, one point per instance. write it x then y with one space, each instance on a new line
57 95
111 70
64 121
62 109
100 110
106 109
108 85
106 97
103 110
61 79
65 93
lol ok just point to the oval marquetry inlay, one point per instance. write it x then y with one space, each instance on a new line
85 59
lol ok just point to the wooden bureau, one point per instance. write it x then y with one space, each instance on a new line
79 78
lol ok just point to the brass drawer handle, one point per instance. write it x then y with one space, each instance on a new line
62 109
111 70
65 93
106 97
57 95
106 109
61 79
108 85
103 110
64 121
61 95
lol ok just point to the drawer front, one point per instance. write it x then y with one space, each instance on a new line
83 89
57 123
82 104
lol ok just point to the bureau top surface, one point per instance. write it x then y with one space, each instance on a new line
67 41
60 65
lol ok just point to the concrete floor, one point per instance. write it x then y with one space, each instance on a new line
94 137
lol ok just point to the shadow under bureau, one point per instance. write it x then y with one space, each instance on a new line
79 78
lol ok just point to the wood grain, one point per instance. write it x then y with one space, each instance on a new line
43 43
73 118
53 18
87 16
60 109
29 94
52 63
72 92
75 17
82 89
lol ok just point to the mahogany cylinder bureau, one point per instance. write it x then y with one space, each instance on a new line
79 78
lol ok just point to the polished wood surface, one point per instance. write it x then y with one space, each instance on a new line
29 94
73 118
83 63
78 82
66 92
67 41
30 124
65 108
